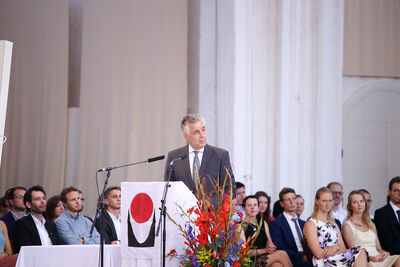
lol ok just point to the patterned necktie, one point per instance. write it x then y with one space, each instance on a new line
196 163
398 215
297 228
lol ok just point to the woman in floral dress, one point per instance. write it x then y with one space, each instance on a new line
324 237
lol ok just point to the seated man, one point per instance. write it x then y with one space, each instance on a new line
34 229
387 219
110 221
73 227
287 230
240 195
15 197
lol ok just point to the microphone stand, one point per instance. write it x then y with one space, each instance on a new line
163 211
101 207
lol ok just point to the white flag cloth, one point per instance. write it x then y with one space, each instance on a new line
140 212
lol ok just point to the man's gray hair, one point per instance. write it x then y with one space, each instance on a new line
190 119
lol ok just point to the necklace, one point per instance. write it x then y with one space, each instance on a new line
357 224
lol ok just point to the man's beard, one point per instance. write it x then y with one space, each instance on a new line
19 208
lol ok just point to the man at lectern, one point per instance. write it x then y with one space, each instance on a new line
211 162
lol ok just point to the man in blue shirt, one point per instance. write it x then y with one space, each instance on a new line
73 227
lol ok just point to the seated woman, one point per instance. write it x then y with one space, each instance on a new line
54 208
264 202
324 239
265 250
359 230
6 257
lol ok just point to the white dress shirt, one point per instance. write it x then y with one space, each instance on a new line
395 209
340 214
44 235
293 229
117 224
191 157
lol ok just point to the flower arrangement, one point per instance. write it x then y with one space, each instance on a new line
211 236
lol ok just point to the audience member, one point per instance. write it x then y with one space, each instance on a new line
338 212
287 229
265 208
240 195
15 197
299 205
6 257
72 227
368 200
359 230
54 208
4 206
110 220
265 251
387 219
34 229
277 210
83 205
324 239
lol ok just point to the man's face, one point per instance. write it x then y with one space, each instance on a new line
299 206
38 203
73 203
113 200
394 194
337 192
17 202
240 195
197 136
367 199
289 202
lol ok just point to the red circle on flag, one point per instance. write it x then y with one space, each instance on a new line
141 207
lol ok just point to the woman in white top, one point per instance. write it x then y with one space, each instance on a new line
359 230
324 238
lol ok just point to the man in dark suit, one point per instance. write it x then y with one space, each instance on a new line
34 229
110 220
15 197
387 219
287 229
212 163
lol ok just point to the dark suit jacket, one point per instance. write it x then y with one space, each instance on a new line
213 166
109 233
388 229
283 238
26 233
8 219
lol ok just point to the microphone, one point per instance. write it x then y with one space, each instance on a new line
181 157
130 164
156 158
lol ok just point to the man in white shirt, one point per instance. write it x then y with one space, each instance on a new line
110 221
338 212
287 229
34 229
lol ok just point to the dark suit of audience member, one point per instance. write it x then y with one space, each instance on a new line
388 228
26 233
283 238
109 232
9 220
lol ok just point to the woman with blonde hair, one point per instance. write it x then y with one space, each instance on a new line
325 240
359 230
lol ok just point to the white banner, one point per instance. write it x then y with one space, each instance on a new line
140 212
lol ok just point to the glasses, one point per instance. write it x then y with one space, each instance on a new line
19 196
337 193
